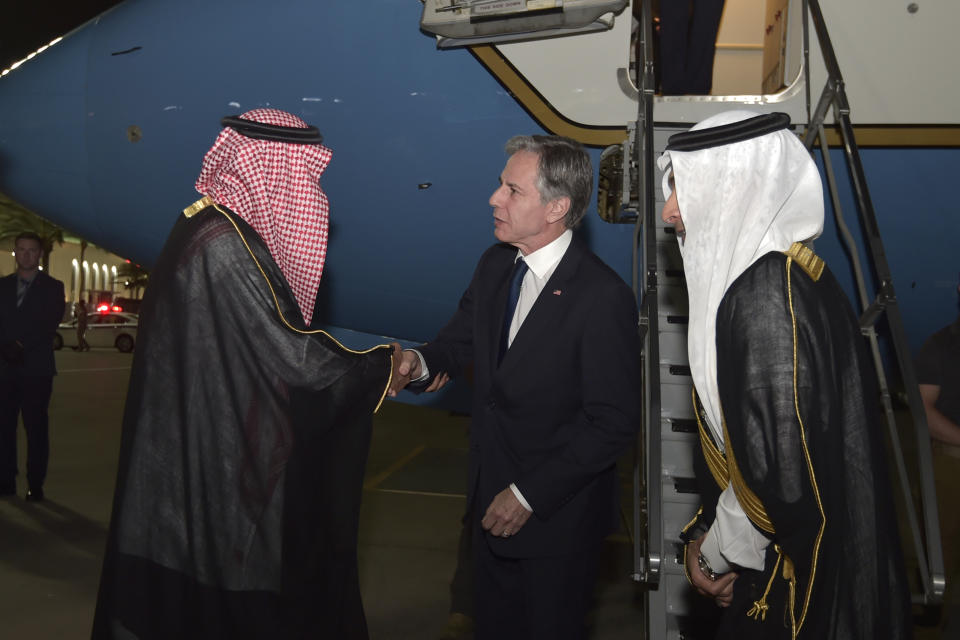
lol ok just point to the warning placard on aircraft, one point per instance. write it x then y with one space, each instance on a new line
503 6
467 22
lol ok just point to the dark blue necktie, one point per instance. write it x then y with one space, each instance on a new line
516 279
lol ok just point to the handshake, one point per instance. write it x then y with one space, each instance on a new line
407 368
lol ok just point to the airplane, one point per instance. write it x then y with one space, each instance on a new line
104 131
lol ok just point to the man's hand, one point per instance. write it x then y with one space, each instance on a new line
409 369
721 589
438 382
402 369
505 515
409 363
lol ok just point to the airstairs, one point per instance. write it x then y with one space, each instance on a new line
665 497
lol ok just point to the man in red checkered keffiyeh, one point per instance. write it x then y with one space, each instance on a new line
245 435
275 187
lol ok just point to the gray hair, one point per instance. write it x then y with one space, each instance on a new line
564 170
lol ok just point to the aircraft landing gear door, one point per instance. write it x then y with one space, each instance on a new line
460 23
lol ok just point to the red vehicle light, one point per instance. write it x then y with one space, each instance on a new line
103 308
116 307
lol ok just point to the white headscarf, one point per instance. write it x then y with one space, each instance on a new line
738 202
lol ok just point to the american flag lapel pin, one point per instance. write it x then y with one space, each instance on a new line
557 292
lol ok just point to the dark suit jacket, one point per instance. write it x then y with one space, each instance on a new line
560 408
32 325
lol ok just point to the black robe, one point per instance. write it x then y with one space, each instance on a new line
823 484
244 442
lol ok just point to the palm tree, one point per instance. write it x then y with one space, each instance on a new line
133 276
15 219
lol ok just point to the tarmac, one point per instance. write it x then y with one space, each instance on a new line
51 552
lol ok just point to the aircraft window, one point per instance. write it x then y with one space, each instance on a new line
725 47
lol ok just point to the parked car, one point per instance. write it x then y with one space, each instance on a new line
104 329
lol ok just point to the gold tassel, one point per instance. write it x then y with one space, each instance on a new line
788 574
759 610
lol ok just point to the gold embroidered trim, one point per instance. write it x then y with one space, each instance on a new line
806 259
806 454
752 506
686 568
724 469
715 460
692 520
791 578
198 206
276 302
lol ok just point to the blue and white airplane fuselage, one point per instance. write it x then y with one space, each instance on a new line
104 132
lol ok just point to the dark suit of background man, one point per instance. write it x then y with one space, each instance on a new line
31 306
556 397
938 372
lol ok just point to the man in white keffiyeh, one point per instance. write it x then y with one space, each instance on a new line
797 516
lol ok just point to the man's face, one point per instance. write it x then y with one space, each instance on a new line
671 214
519 217
28 254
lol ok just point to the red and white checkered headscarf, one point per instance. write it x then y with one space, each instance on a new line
275 188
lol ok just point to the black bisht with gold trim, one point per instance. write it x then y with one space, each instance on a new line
244 443
804 453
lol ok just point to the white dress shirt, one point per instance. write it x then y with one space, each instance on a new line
542 263
732 538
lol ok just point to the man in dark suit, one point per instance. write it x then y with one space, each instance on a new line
31 306
551 333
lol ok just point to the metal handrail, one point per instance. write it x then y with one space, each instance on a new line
648 559
834 95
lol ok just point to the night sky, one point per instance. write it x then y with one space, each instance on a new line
28 25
